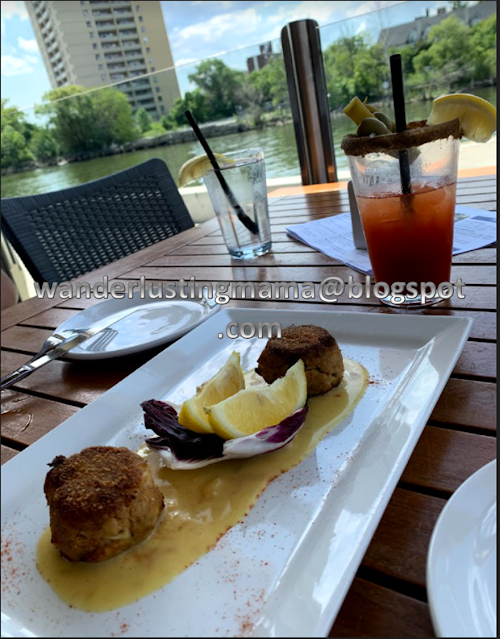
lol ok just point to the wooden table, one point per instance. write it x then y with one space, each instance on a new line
388 595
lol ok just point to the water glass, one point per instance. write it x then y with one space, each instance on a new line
238 194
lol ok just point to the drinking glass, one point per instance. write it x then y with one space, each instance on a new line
408 224
240 202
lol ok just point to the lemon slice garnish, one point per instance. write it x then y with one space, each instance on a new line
228 381
197 167
478 118
253 409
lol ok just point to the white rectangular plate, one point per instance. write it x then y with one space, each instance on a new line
284 571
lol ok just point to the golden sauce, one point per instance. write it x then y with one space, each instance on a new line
200 506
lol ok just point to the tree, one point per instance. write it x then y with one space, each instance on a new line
448 59
251 98
71 118
194 101
12 116
458 5
271 81
219 83
15 151
114 122
483 43
91 121
354 67
143 120
16 133
43 145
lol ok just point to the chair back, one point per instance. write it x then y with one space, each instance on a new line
64 234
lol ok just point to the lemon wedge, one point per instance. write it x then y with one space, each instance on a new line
197 167
253 409
478 118
228 381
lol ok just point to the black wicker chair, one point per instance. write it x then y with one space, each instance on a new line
64 234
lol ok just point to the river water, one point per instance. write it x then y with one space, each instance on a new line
278 144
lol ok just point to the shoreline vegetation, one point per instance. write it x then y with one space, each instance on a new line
178 136
79 126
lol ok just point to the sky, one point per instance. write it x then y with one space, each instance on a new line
200 29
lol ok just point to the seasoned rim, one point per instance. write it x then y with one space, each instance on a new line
418 133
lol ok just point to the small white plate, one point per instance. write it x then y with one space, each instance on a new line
155 322
462 560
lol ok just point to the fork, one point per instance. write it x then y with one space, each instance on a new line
104 338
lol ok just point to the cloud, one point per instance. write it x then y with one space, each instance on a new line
227 4
371 5
182 61
13 9
12 65
322 12
210 30
220 3
28 45
361 28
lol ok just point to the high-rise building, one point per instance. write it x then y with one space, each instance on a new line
94 43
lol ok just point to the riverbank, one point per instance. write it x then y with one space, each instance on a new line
169 138
278 142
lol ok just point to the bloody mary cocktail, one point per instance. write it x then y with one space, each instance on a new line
409 236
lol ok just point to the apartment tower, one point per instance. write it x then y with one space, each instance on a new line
95 43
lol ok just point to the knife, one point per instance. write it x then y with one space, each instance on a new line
61 348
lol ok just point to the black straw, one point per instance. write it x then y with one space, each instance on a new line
399 112
242 216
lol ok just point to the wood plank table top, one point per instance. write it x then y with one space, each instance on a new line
388 596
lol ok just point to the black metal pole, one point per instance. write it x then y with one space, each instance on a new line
309 101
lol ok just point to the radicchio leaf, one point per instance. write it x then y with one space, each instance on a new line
186 445
183 449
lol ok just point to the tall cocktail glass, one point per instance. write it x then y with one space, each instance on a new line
409 236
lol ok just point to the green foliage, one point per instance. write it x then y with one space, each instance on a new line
452 56
15 150
88 122
251 98
483 39
154 130
72 118
143 120
450 47
271 81
455 55
219 83
16 133
195 101
354 67
43 145
12 116
115 121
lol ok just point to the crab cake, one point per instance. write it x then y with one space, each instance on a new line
315 346
102 501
